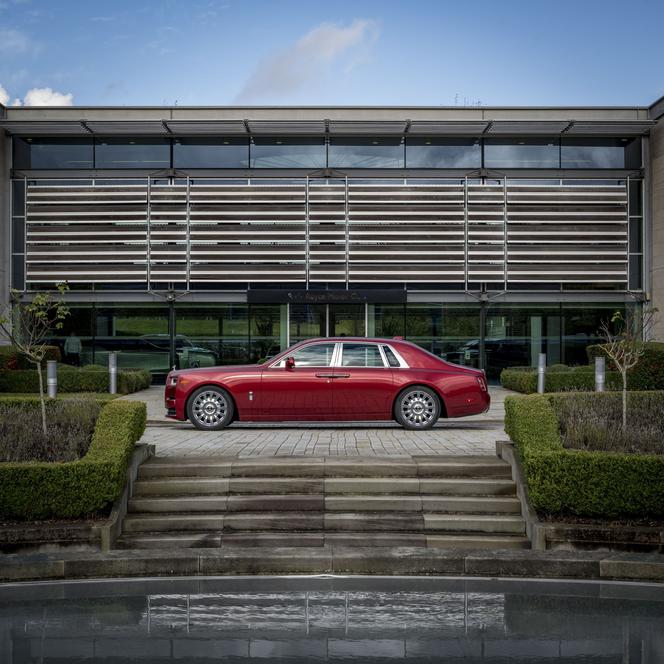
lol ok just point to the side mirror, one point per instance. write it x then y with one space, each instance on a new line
290 362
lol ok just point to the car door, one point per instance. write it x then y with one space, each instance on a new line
363 387
303 392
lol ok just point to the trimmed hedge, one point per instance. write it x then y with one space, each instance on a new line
11 359
648 374
75 489
578 482
73 379
558 378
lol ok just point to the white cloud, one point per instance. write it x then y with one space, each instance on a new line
44 97
4 96
290 70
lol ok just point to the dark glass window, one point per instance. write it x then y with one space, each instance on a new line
379 152
443 153
601 153
47 153
521 153
361 355
289 152
318 355
210 153
133 153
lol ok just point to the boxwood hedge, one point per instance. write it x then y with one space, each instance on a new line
558 378
648 374
73 379
11 359
577 482
37 490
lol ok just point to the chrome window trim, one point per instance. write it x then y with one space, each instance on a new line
333 361
364 343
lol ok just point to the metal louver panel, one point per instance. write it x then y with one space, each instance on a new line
336 231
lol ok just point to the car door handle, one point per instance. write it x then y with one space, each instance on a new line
332 375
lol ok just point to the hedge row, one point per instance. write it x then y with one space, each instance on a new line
556 379
11 359
74 379
75 489
648 374
576 482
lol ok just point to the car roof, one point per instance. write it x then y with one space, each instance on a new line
381 340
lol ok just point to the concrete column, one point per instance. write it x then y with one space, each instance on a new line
655 243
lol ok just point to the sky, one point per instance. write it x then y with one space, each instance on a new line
339 52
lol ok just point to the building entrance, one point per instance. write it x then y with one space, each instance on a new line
326 320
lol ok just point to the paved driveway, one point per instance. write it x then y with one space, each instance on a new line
474 435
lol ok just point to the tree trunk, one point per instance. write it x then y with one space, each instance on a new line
624 400
41 398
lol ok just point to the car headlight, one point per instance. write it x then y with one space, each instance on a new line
174 380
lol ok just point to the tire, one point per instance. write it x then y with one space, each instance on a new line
417 407
210 408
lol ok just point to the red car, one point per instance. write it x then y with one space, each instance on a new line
335 379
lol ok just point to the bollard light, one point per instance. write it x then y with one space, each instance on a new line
600 374
541 371
52 378
113 373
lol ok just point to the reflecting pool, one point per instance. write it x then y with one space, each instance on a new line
332 619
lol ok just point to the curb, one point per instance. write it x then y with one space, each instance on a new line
402 561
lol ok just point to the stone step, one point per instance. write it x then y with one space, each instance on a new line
313 467
172 541
326 521
208 486
453 504
276 503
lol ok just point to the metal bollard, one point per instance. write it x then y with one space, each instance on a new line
541 369
600 374
52 378
113 373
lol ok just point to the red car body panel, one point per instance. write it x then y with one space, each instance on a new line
266 392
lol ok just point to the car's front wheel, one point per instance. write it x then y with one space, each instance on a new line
417 407
210 408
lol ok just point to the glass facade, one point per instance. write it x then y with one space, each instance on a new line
158 337
521 153
288 152
210 153
316 152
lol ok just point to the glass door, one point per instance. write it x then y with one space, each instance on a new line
347 320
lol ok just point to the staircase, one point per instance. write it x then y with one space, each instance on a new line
445 502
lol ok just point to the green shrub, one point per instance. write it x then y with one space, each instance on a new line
576 482
74 379
11 359
75 489
558 378
648 374
70 426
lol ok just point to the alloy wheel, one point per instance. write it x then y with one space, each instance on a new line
210 408
418 408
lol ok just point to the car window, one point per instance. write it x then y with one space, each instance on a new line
391 357
361 355
317 355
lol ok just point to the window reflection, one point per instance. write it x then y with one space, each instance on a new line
443 153
521 153
288 152
133 153
379 152
47 153
601 153
210 153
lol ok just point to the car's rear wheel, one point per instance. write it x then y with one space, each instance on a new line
210 408
417 407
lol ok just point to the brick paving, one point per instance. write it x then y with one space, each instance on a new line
475 435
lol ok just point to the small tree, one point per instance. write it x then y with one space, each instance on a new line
624 337
27 326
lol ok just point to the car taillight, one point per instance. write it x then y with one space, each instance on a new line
482 382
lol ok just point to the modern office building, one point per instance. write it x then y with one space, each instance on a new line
194 236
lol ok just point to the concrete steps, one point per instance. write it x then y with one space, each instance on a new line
460 502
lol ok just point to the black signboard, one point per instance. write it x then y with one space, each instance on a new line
341 296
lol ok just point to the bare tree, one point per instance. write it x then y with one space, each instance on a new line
624 336
28 325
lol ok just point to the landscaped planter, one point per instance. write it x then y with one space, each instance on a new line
576 482
76 489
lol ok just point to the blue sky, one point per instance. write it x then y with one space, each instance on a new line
216 52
